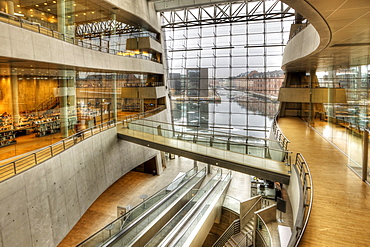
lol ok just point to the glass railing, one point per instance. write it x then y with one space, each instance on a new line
25 162
263 232
181 239
253 146
126 228
179 217
127 119
36 27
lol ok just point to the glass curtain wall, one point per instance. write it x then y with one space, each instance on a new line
47 104
344 124
226 76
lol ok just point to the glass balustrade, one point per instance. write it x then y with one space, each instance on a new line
187 137
164 197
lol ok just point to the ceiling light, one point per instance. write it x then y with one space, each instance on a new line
45 3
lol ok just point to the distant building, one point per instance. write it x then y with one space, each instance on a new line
260 82
197 82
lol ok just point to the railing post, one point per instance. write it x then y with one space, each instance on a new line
15 168
35 158
64 145
51 151
365 154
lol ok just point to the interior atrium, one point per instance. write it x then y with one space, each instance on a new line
184 123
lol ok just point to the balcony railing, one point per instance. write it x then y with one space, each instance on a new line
24 163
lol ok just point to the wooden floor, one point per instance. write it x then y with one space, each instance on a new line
341 205
127 191
340 214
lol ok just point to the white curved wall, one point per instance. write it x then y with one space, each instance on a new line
141 9
18 43
41 205
303 44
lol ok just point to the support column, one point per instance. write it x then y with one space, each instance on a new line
365 155
209 167
195 164
63 7
114 103
142 108
10 7
63 94
61 12
15 98
67 94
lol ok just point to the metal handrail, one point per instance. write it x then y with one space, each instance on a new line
278 134
245 239
298 30
124 230
217 132
252 208
307 186
226 235
214 138
55 34
227 178
28 161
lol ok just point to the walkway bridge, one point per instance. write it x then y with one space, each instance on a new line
255 156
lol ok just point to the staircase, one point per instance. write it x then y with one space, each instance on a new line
243 238
50 103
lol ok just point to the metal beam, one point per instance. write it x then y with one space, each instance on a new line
166 5
227 12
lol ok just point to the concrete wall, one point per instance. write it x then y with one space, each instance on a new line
41 205
18 43
303 44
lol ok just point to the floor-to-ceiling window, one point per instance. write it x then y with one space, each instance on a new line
345 123
224 64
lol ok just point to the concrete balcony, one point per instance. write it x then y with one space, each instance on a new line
143 92
319 95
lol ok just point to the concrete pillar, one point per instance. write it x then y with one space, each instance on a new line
67 94
10 7
159 164
113 17
63 94
61 14
114 103
15 98
65 20
37 95
142 108
195 164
